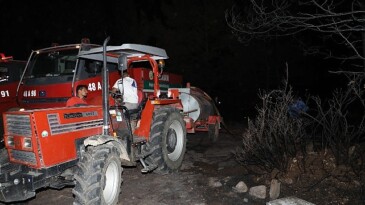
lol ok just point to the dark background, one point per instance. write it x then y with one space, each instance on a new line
194 33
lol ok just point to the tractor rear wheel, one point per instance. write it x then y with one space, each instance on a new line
167 143
98 176
213 132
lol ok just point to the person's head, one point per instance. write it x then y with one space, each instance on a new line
125 74
81 91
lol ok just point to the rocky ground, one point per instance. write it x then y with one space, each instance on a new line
209 176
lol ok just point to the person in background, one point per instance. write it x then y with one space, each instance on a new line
296 108
79 99
128 87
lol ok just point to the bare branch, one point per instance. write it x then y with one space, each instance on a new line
342 23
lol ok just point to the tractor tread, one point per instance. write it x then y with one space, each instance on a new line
153 148
89 175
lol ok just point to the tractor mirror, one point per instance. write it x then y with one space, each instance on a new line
122 62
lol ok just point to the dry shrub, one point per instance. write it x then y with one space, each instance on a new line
273 137
339 123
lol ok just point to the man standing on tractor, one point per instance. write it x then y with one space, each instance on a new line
128 87
78 100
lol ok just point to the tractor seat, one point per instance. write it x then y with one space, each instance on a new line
135 114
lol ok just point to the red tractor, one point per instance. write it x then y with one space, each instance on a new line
10 72
87 146
53 74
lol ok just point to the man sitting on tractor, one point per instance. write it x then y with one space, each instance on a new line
128 87
78 100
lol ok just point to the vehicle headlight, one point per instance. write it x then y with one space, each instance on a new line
27 143
10 141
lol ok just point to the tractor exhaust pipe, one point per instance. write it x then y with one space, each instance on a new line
105 93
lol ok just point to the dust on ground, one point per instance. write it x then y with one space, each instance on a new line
208 175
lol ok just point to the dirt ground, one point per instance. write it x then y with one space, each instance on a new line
207 177
208 173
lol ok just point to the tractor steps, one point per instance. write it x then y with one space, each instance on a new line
138 141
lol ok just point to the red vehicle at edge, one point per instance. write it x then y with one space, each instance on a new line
10 72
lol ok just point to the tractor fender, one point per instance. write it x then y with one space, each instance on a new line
106 139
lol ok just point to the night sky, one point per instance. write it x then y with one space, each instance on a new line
194 33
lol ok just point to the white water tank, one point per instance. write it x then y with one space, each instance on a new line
196 103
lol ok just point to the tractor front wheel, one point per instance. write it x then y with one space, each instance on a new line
98 176
167 143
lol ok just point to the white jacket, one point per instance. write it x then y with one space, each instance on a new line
128 87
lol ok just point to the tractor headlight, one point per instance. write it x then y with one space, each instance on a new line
161 63
27 143
10 141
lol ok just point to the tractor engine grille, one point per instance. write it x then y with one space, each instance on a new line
18 125
23 156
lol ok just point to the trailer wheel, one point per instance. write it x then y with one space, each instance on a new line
167 143
98 176
213 132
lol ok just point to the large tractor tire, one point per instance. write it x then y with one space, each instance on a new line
98 176
167 143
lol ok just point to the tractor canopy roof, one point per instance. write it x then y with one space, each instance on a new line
130 50
66 47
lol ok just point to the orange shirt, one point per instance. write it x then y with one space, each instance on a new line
75 101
